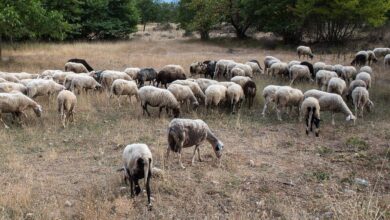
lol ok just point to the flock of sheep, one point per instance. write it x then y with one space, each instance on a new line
337 86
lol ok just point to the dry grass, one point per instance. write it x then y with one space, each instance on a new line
294 177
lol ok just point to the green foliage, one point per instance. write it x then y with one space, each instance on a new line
357 143
147 10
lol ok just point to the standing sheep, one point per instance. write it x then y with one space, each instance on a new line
82 61
287 97
371 57
323 77
299 72
199 94
361 100
210 68
170 73
66 103
381 52
256 69
75 67
215 94
366 77
279 69
366 69
318 66
42 87
311 68
349 73
109 76
250 92
146 74
311 112
183 133
268 61
240 80
353 85
335 103
205 83
360 59
184 94
132 72
197 68
269 96
123 87
235 95
11 86
84 83
157 97
304 51
221 68
337 86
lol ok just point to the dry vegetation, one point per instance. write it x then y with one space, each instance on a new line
48 172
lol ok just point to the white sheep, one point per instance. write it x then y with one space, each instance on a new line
16 103
194 86
293 62
137 164
299 72
310 110
184 94
304 51
215 94
337 85
132 72
323 77
349 73
268 61
353 85
221 67
235 94
9 78
318 66
339 69
84 83
285 97
48 73
329 68
227 83
66 103
256 69
381 52
371 57
247 69
183 133
335 103
240 80
43 87
24 75
366 69
279 69
123 87
366 77
2 80
205 83
109 76
361 100
314 93
237 72
387 60
11 86
157 97
75 67
269 96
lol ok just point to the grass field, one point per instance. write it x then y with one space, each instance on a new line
48 172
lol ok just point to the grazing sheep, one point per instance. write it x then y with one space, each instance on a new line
360 59
366 69
2 80
247 69
314 93
286 96
311 68
371 57
299 72
338 86
205 83
304 51
215 94
132 72
109 76
170 73
24 75
66 103
137 163
48 73
323 77
222 67
84 82
293 62
59 77
184 94
157 97
318 66
387 60
381 52
256 69
75 67
183 133
43 87
240 80
361 100
235 95
335 103
353 85
197 68
146 75
196 90
349 73
227 83
329 68
268 61
366 77
9 78
123 87
7 87
210 68
237 72
82 61
279 69
269 96
250 92
311 112
339 69
16 103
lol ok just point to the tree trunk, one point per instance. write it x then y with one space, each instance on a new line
204 35
144 26
240 32
1 44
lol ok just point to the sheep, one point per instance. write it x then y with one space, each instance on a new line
323 77
366 77
304 51
25 81
132 72
338 86
335 103
183 94
366 69
269 96
170 73
24 75
16 103
205 83
146 74
81 61
137 164
43 87
318 66
371 57
235 95
298 72
256 69
311 68
75 67
183 133
157 97
6 87
339 69
9 78
66 103
314 93
329 68
215 94
221 68
59 77
197 68
387 60
268 61
237 72
210 68
381 52
240 80
293 62
109 76
353 85
196 90
280 69
250 92
286 96
361 100
84 82
310 110
247 69
227 83
360 59
48 73
123 87
2 80
349 73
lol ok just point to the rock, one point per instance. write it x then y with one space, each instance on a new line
68 203
361 182
251 163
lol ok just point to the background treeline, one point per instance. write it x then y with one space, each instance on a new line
293 20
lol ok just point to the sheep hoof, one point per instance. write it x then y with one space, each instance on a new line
150 207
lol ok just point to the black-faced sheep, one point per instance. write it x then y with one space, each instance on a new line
146 75
170 73
210 68
311 112
157 97
82 61
304 51
66 103
360 59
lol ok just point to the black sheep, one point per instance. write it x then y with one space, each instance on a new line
311 69
146 74
360 60
210 68
250 92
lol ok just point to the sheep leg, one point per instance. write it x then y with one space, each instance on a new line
265 107
180 163
278 113
193 156
167 157
200 159
1 119
137 188
131 187
145 107
159 112
333 118
148 190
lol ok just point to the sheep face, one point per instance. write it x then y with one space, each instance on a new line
218 149
176 112
38 110
370 106
351 118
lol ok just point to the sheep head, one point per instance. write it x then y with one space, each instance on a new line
218 147
38 110
176 112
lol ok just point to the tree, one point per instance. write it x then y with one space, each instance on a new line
148 11
28 19
167 12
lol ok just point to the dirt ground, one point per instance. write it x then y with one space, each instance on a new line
270 169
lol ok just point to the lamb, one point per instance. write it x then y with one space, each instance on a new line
183 133
221 68
170 73
323 77
123 87
287 97
304 51
311 68
299 72
81 61
137 164
318 66
250 92
354 84
205 83
366 69
280 69
337 86
235 95
9 78
109 76
132 72
366 77
360 59
349 72
183 94
43 87
311 112
66 103
269 96
145 75
197 68
75 67
7 87
16 103
387 60
268 61
381 52
256 69
361 100
215 94
157 97
84 82
196 90
371 57
335 103
240 80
